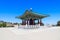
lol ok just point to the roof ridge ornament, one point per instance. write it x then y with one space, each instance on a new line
30 9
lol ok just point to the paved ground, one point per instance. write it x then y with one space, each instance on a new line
26 34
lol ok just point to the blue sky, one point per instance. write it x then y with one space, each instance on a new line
9 9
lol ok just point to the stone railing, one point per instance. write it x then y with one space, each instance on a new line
29 26
33 26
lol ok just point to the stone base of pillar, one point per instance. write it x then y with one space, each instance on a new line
26 24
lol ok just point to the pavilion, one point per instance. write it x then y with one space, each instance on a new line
30 16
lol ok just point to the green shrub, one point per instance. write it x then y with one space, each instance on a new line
3 25
0 25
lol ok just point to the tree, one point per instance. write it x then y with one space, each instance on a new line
58 23
4 24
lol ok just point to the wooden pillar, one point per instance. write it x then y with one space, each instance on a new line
26 22
40 22
23 22
32 21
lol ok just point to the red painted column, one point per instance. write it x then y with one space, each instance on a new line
28 22
23 22
40 22
32 21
